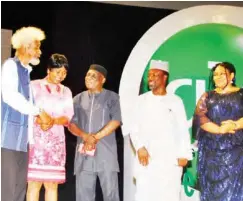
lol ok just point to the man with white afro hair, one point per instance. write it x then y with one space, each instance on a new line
26 35
18 112
25 40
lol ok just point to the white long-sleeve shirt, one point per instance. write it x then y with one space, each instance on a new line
13 98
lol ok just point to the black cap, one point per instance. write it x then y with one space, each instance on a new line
98 68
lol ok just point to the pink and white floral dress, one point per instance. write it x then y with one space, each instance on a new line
47 154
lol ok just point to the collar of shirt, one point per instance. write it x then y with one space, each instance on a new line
95 94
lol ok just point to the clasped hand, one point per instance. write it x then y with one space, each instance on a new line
228 126
45 121
89 142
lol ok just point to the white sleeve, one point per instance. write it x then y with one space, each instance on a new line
184 149
10 93
136 135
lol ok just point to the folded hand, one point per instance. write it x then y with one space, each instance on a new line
228 126
90 142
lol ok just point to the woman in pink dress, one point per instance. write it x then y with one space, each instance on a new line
47 152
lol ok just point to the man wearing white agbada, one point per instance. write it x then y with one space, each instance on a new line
161 139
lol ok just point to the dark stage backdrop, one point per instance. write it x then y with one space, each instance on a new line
86 32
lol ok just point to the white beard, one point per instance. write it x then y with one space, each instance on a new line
34 61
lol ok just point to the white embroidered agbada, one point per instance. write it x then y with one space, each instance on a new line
160 125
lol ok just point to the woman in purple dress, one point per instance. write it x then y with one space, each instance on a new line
218 126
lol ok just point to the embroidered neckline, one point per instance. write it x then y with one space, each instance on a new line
58 88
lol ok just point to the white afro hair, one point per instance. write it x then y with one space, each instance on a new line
26 35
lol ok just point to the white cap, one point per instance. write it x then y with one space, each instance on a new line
211 64
158 64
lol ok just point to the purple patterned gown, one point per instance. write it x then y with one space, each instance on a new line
220 157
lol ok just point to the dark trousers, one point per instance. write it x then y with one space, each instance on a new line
86 183
14 167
